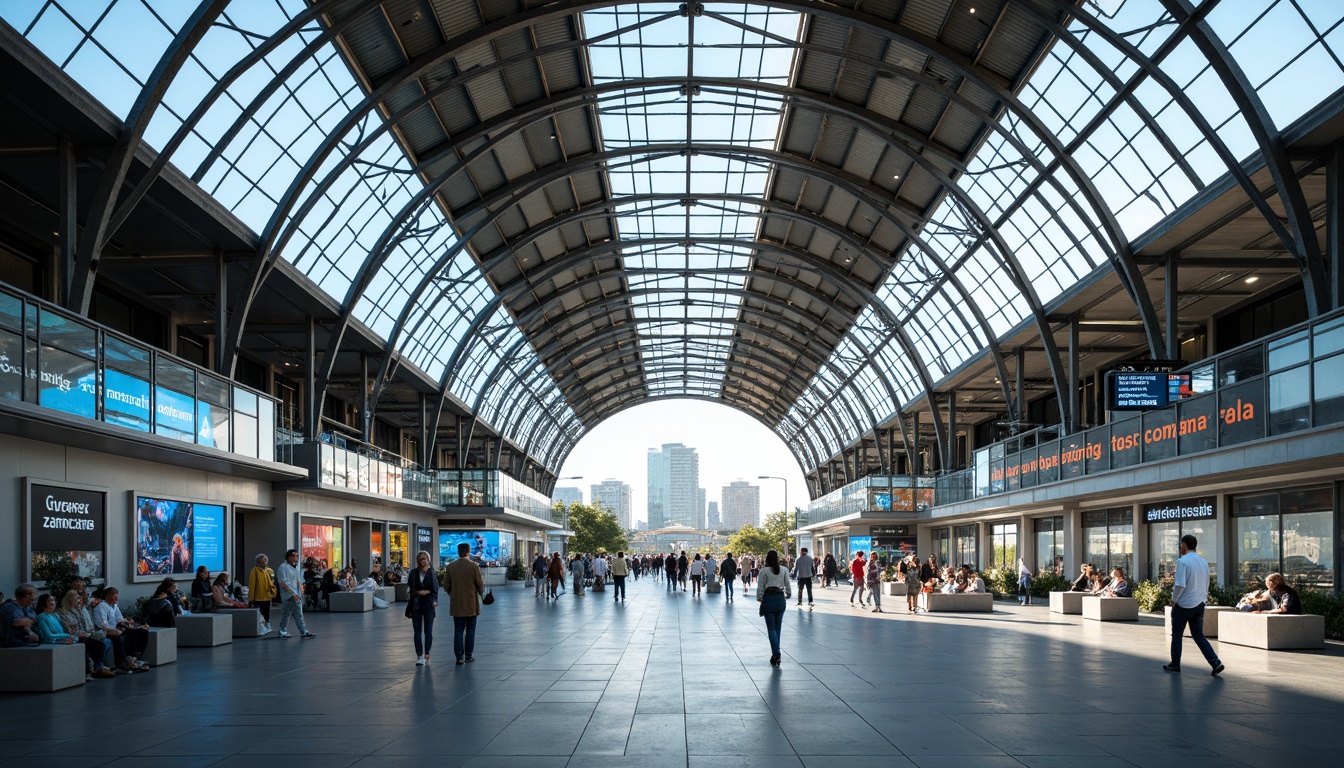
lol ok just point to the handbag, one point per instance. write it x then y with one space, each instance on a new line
489 598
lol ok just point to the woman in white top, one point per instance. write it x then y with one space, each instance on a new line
773 593
697 571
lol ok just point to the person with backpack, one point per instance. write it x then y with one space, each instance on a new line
873 578
539 574
728 571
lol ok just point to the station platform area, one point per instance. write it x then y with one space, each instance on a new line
670 680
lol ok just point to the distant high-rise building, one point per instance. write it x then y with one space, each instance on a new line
674 485
700 508
741 505
712 513
617 497
567 496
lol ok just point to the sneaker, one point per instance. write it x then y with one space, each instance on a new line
470 659
426 659
877 610
1218 670
1172 668
307 635
460 662
103 674
283 633
419 661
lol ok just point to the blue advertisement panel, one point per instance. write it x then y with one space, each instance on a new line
860 544
175 415
487 547
125 400
68 383
205 430
176 537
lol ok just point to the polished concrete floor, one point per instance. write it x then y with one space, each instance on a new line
672 680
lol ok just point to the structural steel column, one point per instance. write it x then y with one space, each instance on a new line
1074 382
1334 222
1172 269
67 227
311 428
221 313
953 461
365 425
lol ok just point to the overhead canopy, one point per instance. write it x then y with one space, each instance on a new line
811 212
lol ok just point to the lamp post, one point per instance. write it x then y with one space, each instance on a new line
784 480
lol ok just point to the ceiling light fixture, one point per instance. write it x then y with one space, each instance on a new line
897 176
972 10
1252 279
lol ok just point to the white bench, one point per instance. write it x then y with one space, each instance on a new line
1098 608
41 668
246 621
974 602
204 630
893 588
350 602
403 592
1066 602
162 647
386 593
1210 619
1272 631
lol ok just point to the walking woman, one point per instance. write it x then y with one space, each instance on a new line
423 586
914 580
261 590
773 592
697 571
829 570
873 575
1023 582
555 574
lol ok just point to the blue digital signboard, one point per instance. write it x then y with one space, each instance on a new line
125 400
487 547
176 537
860 544
175 415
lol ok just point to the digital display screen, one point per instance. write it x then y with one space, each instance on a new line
176 537
487 547
65 521
1131 391
175 415
860 544
125 400
68 383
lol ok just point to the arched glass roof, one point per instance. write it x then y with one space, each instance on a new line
811 212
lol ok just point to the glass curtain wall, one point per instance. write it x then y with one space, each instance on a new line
1004 538
1108 539
1291 532
942 545
1164 546
1050 544
965 549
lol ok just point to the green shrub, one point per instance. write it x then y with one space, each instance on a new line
1000 581
1045 583
1152 596
57 570
891 574
517 571
1327 604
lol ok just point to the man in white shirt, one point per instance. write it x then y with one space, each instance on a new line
129 640
600 569
291 595
1188 595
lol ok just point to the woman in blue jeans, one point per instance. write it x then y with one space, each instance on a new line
423 585
773 593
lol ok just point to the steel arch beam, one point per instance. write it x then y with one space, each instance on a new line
95 235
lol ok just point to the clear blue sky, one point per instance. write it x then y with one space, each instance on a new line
732 446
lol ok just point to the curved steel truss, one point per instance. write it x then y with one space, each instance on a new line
812 212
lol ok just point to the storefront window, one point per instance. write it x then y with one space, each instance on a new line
942 545
1164 546
322 540
1049 542
1108 539
965 551
399 541
1004 536
1291 532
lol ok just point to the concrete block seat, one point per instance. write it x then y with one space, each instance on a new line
1211 613
386 593
1066 602
1272 631
350 602
893 588
204 630
403 592
1098 608
162 647
964 603
41 668
246 621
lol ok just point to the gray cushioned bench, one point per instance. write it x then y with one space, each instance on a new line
350 602
964 603
1272 631
41 668
204 630
1211 613
162 647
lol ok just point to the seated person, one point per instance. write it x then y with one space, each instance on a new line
1084 580
129 639
1282 598
1255 600
330 584
1095 583
367 585
1117 586
49 627
163 607
348 580
78 622
19 618
200 588
975 585
377 577
220 593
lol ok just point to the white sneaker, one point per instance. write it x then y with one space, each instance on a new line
419 661
283 633
426 660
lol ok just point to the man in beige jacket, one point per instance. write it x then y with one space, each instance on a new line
463 582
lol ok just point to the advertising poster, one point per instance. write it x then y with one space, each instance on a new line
207 546
68 383
65 521
487 547
860 544
174 415
163 537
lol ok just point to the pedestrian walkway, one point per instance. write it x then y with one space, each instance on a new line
671 680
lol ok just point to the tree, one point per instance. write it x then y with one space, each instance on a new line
595 530
749 538
777 527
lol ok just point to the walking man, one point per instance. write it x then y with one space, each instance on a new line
804 570
856 568
670 564
728 570
539 567
619 570
465 586
291 591
1188 595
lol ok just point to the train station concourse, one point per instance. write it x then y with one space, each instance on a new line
1024 286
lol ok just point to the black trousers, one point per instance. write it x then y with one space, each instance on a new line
265 607
131 642
618 591
804 582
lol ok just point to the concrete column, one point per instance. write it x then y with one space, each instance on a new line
1141 555
1073 540
1220 546
1026 542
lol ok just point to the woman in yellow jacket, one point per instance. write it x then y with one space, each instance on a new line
261 590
